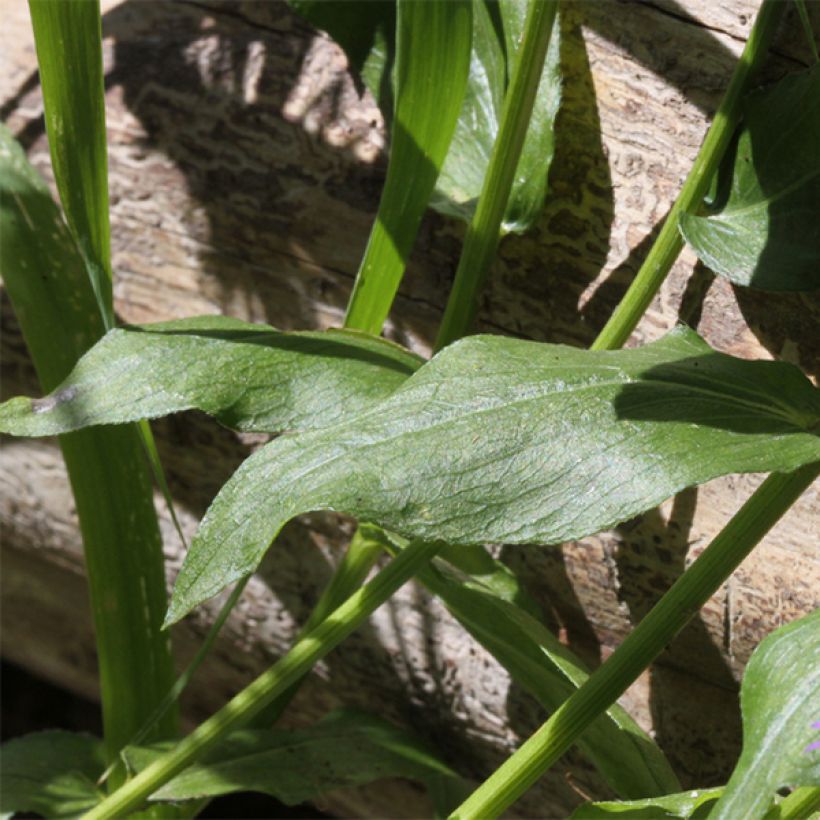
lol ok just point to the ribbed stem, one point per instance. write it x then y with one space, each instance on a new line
253 699
484 229
689 593
669 243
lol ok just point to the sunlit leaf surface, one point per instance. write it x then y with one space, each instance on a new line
251 377
504 440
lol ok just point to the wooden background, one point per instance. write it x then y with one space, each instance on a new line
245 171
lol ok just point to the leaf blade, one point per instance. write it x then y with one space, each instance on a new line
347 748
489 441
52 773
432 58
69 55
250 376
765 234
779 700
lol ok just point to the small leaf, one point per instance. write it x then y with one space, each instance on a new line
492 61
251 377
51 773
691 805
766 234
503 440
780 703
345 749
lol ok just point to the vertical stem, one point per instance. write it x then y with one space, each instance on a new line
669 243
688 594
253 699
484 229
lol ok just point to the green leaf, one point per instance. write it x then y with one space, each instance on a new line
780 703
47 283
503 440
360 27
69 55
51 773
347 748
497 614
691 805
493 57
251 377
432 59
765 232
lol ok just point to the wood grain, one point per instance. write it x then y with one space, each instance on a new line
245 171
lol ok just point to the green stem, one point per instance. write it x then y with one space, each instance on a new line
359 559
484 230
689 593
669 243
799 805
253 699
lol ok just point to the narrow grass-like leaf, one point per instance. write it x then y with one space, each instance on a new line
45 277
432 59
692 805
780 702
765 232
491 610
51 773
493 58
346 749
510 441
69 56
251 377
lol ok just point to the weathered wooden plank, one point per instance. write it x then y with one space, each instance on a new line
245 172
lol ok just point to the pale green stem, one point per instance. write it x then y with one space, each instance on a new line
649 638
484 230
253 699
669 243
359 559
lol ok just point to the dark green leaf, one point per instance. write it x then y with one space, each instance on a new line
69 56
432 59
51 773
493 58
49 289
498 439
360 27
251 377
691 805
497 614
765 233
780 702
345 749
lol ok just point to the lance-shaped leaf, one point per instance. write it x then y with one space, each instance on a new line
765 231
692 805
780 703
492 60
251 377
51 773
347 748
499 439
